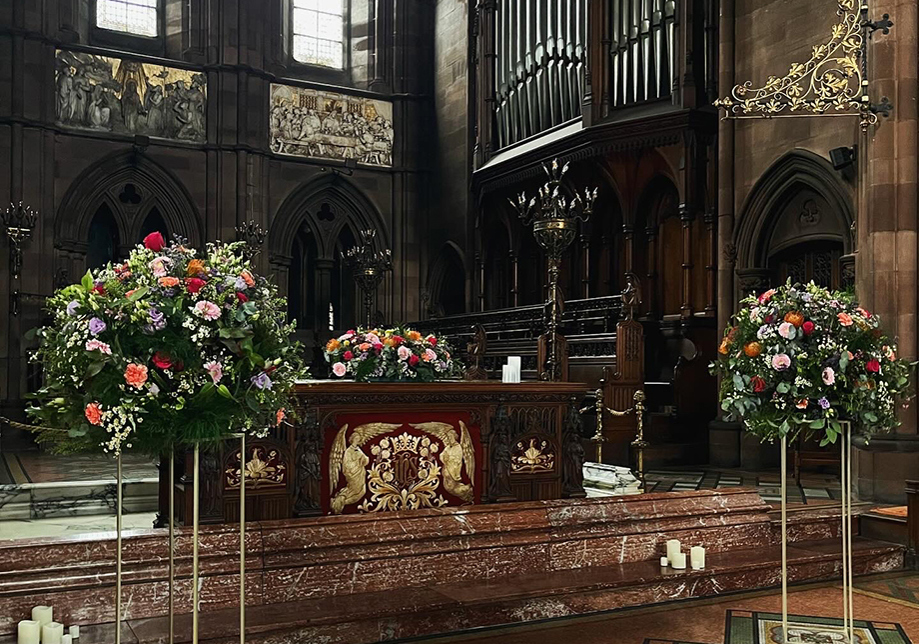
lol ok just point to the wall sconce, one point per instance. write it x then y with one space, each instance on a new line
19 221
253 235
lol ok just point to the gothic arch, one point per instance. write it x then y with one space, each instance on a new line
447 273
131 185
796 170
345 204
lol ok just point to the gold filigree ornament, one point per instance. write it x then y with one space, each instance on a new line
404 475
833 82
536 456
263 468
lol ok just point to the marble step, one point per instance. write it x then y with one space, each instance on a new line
75 498
437 609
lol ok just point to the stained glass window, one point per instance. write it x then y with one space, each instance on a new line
318 32
130 16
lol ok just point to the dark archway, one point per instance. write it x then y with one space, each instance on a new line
102 240
447 282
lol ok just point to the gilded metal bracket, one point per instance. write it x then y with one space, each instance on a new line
834 82
639 444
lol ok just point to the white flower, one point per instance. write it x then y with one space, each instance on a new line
829 376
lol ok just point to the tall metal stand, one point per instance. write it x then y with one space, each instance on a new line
368 267
196 487
242 539
555 221
172 544
783 474
118 521
639 444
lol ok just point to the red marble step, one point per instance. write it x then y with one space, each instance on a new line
441 608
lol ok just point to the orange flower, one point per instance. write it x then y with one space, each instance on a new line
753 349
168 282
332 345
93 413
195 267
801 404
725 347
131 292
365 346
795 318
247 278
388 342
414 336
845 319
280 416
135 375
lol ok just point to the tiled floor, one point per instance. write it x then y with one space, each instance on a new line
815 489
707 621
41 467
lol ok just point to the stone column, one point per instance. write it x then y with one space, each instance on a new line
728 254
887 227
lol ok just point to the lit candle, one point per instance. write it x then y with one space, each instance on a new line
673 547
42 614
679 561
52 633
664 562
66 639
75 631
29 632
697 557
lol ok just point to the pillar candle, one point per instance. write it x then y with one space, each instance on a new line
75 631
66 639
29 632
515 363
664 562
673 547
505 373
42 614
697 557
52 633
679 561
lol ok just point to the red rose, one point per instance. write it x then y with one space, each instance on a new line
769 319
347 355
194 284
433 341
162 360
808 327
378 347
413 360
758 383
155 242
242 297
873 366
98 288
397 340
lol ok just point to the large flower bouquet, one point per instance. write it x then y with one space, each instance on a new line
801 358
394 354
172 347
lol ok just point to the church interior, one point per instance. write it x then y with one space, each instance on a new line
488 261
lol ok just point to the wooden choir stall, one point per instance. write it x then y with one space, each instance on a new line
371 447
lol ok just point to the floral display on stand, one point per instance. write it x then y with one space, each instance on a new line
393 354
802 359
171 347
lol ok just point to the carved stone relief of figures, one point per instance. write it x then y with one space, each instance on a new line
572 454
312 123
129 97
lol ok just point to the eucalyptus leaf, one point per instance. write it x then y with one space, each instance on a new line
783 388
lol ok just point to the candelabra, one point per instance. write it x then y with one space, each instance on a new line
19 221
554 219
368 266
253 235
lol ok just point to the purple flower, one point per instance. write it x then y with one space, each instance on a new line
96 326
72 307
262 381
824 403
240 284
157 319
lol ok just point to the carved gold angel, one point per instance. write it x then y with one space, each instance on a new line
351 461
456 454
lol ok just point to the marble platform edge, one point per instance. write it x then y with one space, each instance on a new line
377 617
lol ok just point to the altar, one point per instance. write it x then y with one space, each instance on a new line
358 448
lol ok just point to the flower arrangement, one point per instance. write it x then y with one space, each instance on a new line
171 347
802 358
394 354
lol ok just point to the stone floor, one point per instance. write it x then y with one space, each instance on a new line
707 621
815 488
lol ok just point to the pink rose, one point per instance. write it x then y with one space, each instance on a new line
765 297
786 330
781 362
829 376
404 353
429 356
207 310
339 369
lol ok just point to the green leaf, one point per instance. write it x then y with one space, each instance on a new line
738 382
94 368
139 293
223 391
818 424
783 388
784 428
252 401
232 332
870 416
843 361
87 281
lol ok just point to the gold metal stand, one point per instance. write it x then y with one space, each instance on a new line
639 444
196 486
784 476
118 521
172 544
242 538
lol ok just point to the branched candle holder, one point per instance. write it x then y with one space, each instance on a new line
369 267
19 221
254 237
555 220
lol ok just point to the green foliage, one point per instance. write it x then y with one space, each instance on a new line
393 354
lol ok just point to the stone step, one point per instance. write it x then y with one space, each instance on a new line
75 498
448 608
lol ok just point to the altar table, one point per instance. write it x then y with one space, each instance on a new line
372 447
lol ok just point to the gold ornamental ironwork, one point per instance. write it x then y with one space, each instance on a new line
264 467
639 444
554 219
368 268
535 455
834 82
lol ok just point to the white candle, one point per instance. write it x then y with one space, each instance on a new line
52 633
664 562
673 547
679 561
505 374
66 639
697 557
29 632
515 363
42 614
75 631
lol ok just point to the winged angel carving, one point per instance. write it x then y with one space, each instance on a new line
458 452
351 461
